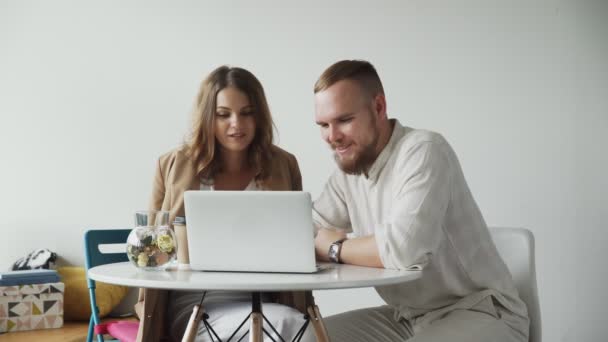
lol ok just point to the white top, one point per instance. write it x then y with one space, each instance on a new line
208 185
416 202
335 277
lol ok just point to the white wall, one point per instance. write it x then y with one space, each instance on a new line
91 94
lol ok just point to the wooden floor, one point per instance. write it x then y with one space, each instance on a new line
71 332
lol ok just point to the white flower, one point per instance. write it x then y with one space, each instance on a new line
142 260
165 243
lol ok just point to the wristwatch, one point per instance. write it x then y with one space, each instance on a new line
334 251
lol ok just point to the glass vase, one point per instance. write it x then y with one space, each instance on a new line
151 245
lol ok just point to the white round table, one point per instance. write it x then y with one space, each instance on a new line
335 276
332 276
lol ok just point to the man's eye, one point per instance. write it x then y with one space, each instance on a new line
346 120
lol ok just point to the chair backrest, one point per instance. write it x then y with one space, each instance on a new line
516 247
97 237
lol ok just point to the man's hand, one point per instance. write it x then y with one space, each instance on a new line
325 237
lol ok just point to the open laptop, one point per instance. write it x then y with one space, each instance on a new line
250 231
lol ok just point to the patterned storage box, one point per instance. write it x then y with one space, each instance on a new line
29 307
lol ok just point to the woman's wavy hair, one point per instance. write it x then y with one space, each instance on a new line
202 146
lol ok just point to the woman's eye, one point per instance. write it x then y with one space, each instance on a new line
248 113
223 114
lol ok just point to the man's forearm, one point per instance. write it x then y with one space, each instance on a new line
325 237
361 251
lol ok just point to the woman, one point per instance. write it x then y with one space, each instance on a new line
230 149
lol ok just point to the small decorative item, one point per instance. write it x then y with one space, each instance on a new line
38 258
151 245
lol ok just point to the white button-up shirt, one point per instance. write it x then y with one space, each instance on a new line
416 202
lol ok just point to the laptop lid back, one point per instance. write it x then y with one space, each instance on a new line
255 231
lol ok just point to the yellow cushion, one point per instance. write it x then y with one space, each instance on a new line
77 305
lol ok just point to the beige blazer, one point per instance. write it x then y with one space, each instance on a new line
175 173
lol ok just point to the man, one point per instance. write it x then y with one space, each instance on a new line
403 196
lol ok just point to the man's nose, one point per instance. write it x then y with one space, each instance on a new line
334 134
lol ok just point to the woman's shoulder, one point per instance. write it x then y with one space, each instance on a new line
284 171
281 154
179 151
177 155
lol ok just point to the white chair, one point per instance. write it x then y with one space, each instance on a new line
516 247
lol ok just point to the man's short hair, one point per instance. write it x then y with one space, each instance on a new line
363 72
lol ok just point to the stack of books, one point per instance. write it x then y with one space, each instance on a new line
28 277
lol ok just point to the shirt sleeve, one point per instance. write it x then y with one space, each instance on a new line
414 228
330 210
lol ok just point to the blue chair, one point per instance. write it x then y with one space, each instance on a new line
94 257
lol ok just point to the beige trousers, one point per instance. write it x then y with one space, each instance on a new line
379 324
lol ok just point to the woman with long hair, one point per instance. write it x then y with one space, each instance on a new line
230 148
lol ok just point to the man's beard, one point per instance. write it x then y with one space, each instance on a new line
362 161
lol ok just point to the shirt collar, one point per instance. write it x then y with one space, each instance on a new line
374 171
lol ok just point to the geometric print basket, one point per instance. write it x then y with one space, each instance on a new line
30 307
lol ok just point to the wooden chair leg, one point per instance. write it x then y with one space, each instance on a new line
151 327
255 329
193 322
317 323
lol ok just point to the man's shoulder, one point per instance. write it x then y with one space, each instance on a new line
415 136
413 139
420 143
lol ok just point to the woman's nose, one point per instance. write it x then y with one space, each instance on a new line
235 120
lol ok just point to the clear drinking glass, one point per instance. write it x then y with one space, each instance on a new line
151 245
181 234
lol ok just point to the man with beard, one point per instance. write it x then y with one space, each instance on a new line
402 195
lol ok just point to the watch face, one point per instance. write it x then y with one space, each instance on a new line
333 252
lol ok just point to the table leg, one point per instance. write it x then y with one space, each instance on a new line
257 320
317 324
192 327
256 328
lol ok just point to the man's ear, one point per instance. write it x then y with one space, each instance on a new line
380 106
